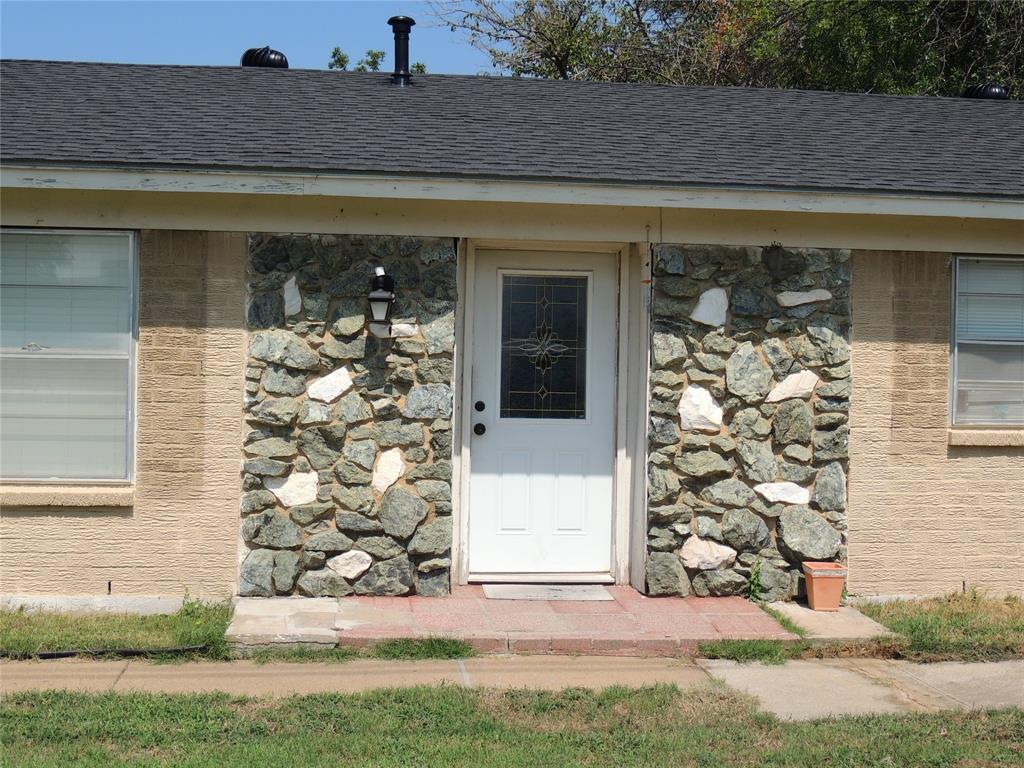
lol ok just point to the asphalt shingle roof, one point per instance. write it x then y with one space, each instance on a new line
488 127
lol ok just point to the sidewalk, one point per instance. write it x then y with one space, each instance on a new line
804 690
251 679
797 690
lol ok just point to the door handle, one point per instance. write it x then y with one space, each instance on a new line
479 429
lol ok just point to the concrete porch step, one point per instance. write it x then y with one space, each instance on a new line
630 624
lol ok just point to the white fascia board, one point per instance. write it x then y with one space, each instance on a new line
506 191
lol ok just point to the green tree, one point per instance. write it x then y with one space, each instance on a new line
371 62
339 60
915 46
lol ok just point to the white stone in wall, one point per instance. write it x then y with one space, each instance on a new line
297 488
350 565
787 493
706 555
292 298
796 298
394 330
330 387
800 385
699 411
711 308
401 330
390 467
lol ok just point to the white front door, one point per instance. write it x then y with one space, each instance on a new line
542 414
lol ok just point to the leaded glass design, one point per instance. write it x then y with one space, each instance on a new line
543 347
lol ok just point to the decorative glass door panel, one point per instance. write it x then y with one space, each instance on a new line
543 346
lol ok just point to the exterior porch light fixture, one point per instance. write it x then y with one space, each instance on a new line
382 296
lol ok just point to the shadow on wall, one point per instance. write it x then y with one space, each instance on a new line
190 280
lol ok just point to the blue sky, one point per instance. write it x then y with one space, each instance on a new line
217 32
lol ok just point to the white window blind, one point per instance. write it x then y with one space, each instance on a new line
988 387
66 345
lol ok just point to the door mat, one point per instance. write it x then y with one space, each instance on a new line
546 592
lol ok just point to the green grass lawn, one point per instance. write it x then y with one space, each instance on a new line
24 633
967 627
399 649
449 726
959 627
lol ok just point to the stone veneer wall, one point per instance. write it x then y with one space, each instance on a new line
347 469
750 388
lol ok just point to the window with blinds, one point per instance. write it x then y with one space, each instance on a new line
67 334
988 365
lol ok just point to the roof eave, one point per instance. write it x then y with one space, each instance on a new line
97 177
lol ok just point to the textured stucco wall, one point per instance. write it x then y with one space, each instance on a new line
182 531
924 516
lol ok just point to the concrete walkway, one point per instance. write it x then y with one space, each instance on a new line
804 690
252 679
847 625
796 690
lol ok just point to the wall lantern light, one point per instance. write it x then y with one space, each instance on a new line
382 296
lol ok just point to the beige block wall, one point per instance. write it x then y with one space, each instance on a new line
924 516
182 531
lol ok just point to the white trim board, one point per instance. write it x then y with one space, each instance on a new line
507 191
463 391
519 221
628 469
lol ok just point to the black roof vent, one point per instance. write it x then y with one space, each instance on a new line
987 91
401 25
264 57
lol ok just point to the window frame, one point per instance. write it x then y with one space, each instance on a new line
955 342
133 344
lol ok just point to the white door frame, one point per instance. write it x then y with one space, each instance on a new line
631 395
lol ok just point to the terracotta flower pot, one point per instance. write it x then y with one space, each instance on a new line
825 583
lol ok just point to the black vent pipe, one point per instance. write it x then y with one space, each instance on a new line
987 91
401 26
264 57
